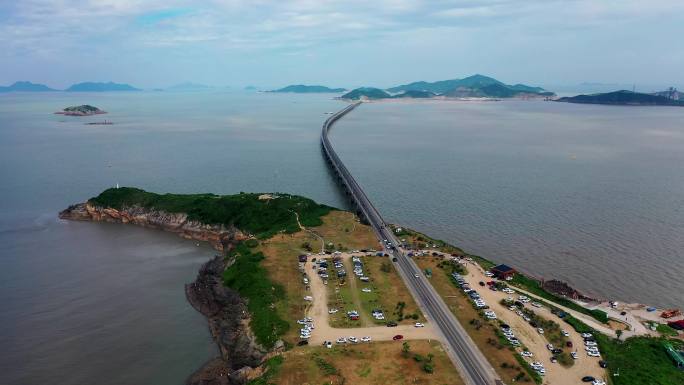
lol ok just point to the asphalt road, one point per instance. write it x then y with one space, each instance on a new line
471 363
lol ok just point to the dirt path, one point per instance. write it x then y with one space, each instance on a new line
310 232
535 342
324 332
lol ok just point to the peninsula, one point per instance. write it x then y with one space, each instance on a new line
83 110
475 86
271 278
305 89
624 98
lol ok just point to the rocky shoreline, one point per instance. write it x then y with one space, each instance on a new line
228 320
219 236
226 312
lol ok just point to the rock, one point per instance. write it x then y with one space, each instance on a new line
219 236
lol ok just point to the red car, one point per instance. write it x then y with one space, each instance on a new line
397 337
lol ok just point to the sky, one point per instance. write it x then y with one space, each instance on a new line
157 43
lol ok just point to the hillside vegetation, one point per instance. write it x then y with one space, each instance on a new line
260 217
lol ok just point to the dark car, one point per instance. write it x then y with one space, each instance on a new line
391 324
398 337
505 326
568 344
394 259
302 343
482 283
557 351
603 364
588 379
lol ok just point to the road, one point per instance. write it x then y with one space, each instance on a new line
471 363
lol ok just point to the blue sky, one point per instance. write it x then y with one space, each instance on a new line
156 43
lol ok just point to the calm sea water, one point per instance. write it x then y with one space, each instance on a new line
592 195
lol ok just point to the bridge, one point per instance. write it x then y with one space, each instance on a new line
471 363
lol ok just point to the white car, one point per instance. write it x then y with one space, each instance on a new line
565 333
415 275
419 325
353 339
540 330
526 353
341 340
366 290
536 304
308 298
365 339
594 354
587 335
328 344
574 355
549 346
591 348
590 343
332 311
488 274
305 336
598 382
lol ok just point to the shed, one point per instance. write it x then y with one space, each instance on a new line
502 271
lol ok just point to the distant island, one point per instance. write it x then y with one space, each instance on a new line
624 98
100 87
83 110
476 86
24 86
305 89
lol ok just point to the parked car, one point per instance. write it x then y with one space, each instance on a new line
302 343
391 324
603 364
397 337
588 379
419 325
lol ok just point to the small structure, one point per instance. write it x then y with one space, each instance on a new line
677 357
502 271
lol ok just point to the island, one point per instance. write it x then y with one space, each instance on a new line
282 258
625 98
305 89
24 86
100 87
475 86
83 110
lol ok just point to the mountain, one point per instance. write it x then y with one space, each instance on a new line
188 86
366 93
304 89
26 87
100 87
472 86
623 98
415 95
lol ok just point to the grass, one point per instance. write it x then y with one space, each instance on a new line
260 217
251 281
421 241
534 287
377 363
271 368
485 334
666 330
638 360
345 232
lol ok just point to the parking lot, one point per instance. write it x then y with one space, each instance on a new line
318 312
530 336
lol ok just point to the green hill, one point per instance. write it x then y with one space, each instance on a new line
304 89
261 217
623 98
415 95
366 93
472 86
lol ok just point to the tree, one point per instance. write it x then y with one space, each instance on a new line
618 333
306 246
405 349
430 356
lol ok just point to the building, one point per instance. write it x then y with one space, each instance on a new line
502 271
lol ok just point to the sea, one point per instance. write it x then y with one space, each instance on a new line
592 195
